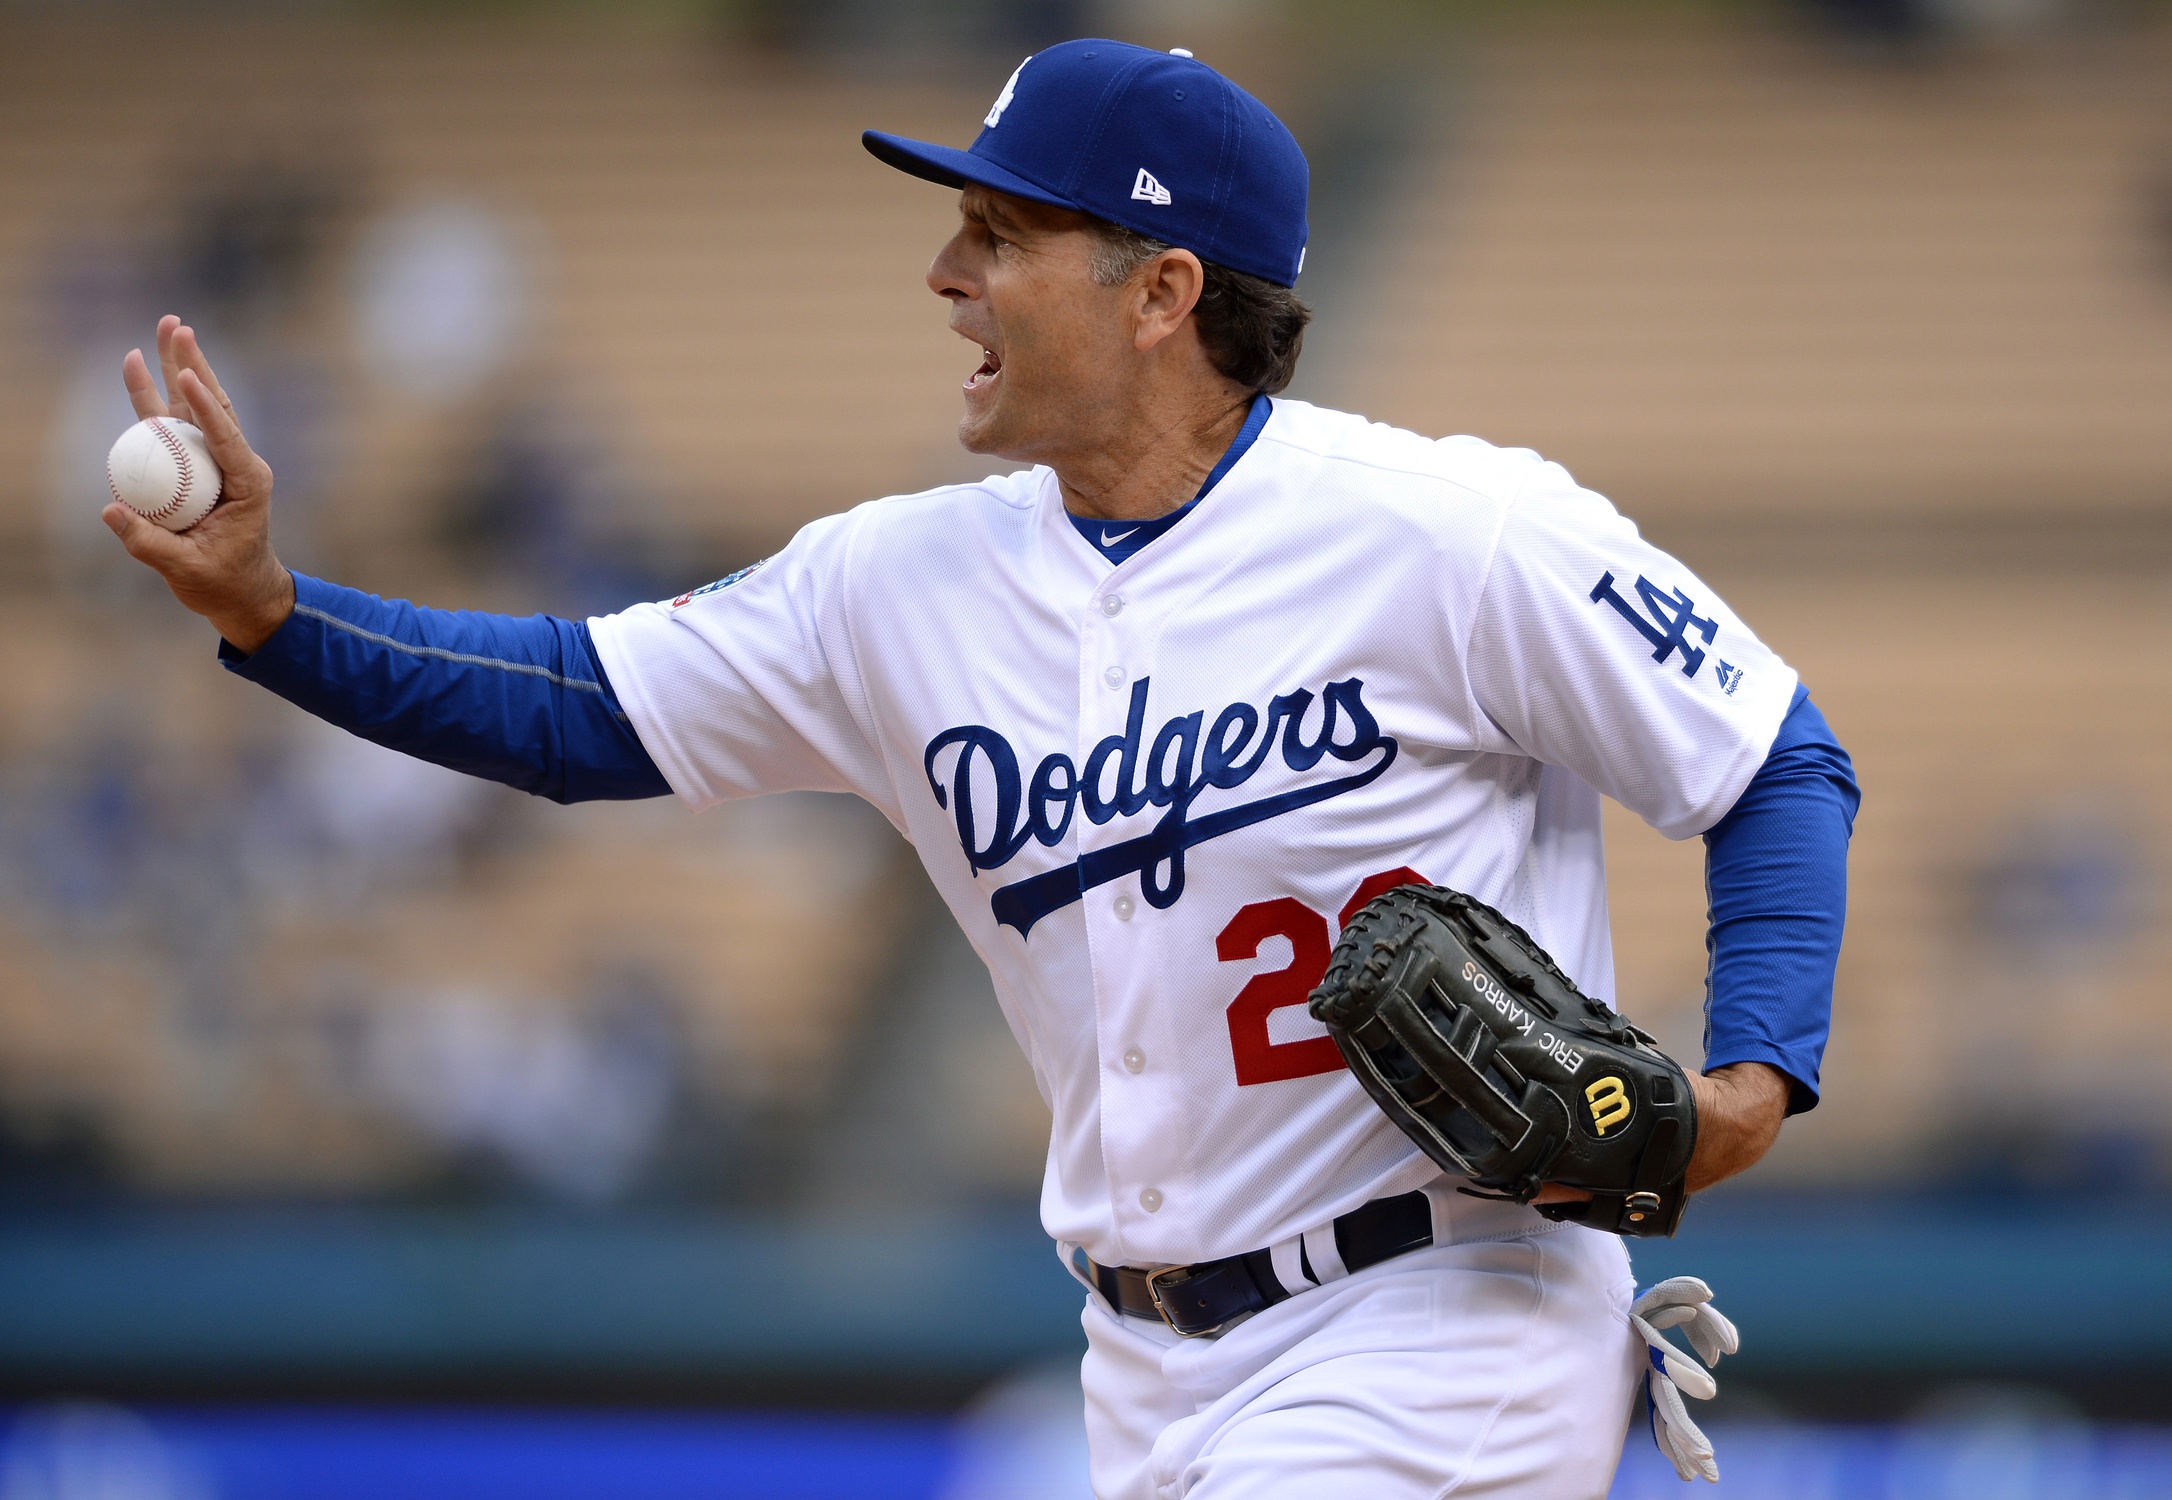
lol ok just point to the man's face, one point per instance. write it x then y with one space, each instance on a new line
1056 343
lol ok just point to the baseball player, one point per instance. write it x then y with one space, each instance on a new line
1160 714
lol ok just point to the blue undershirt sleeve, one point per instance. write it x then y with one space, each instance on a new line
1776 877
522 701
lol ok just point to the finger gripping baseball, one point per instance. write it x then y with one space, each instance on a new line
1471 1039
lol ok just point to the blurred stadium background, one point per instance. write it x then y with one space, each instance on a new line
364 1131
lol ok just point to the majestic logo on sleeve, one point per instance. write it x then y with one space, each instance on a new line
998 811
1674 616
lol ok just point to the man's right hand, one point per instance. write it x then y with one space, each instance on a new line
223 567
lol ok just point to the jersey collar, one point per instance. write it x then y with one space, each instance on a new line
1119 541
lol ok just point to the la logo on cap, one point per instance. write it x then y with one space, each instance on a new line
1147 190
1003 100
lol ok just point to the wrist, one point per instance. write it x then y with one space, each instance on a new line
247 629
1739 1110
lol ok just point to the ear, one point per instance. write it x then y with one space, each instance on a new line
1167 288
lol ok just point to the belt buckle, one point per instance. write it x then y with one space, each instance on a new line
1153 1295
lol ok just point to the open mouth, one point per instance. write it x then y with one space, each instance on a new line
991 365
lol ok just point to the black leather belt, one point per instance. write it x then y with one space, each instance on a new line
1208 1297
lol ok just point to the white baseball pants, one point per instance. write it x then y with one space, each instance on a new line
1497 1369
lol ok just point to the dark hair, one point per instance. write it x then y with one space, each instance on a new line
1253 330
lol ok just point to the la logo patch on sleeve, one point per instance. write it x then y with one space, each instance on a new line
1673 620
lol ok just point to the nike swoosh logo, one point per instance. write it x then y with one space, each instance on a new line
1111 538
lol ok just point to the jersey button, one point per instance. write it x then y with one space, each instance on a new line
1123 908
1114 677
1134 1061
1112 605
1150 1200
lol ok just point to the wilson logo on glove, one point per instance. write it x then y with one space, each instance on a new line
1467 1035
1610 1105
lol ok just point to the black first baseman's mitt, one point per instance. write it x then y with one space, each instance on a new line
1462 1029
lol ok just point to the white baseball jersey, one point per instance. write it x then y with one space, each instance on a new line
1152 792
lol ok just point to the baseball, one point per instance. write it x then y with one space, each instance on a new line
162 470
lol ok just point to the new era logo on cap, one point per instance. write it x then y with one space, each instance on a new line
1074 122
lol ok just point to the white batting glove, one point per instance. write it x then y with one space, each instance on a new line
1678 1302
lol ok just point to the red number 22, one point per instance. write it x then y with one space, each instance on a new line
1260 1059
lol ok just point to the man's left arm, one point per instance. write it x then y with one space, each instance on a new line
1776 874
1593 650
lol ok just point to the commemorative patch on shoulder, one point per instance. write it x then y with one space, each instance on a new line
722 583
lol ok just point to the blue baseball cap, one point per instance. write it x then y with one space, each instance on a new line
1155 141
